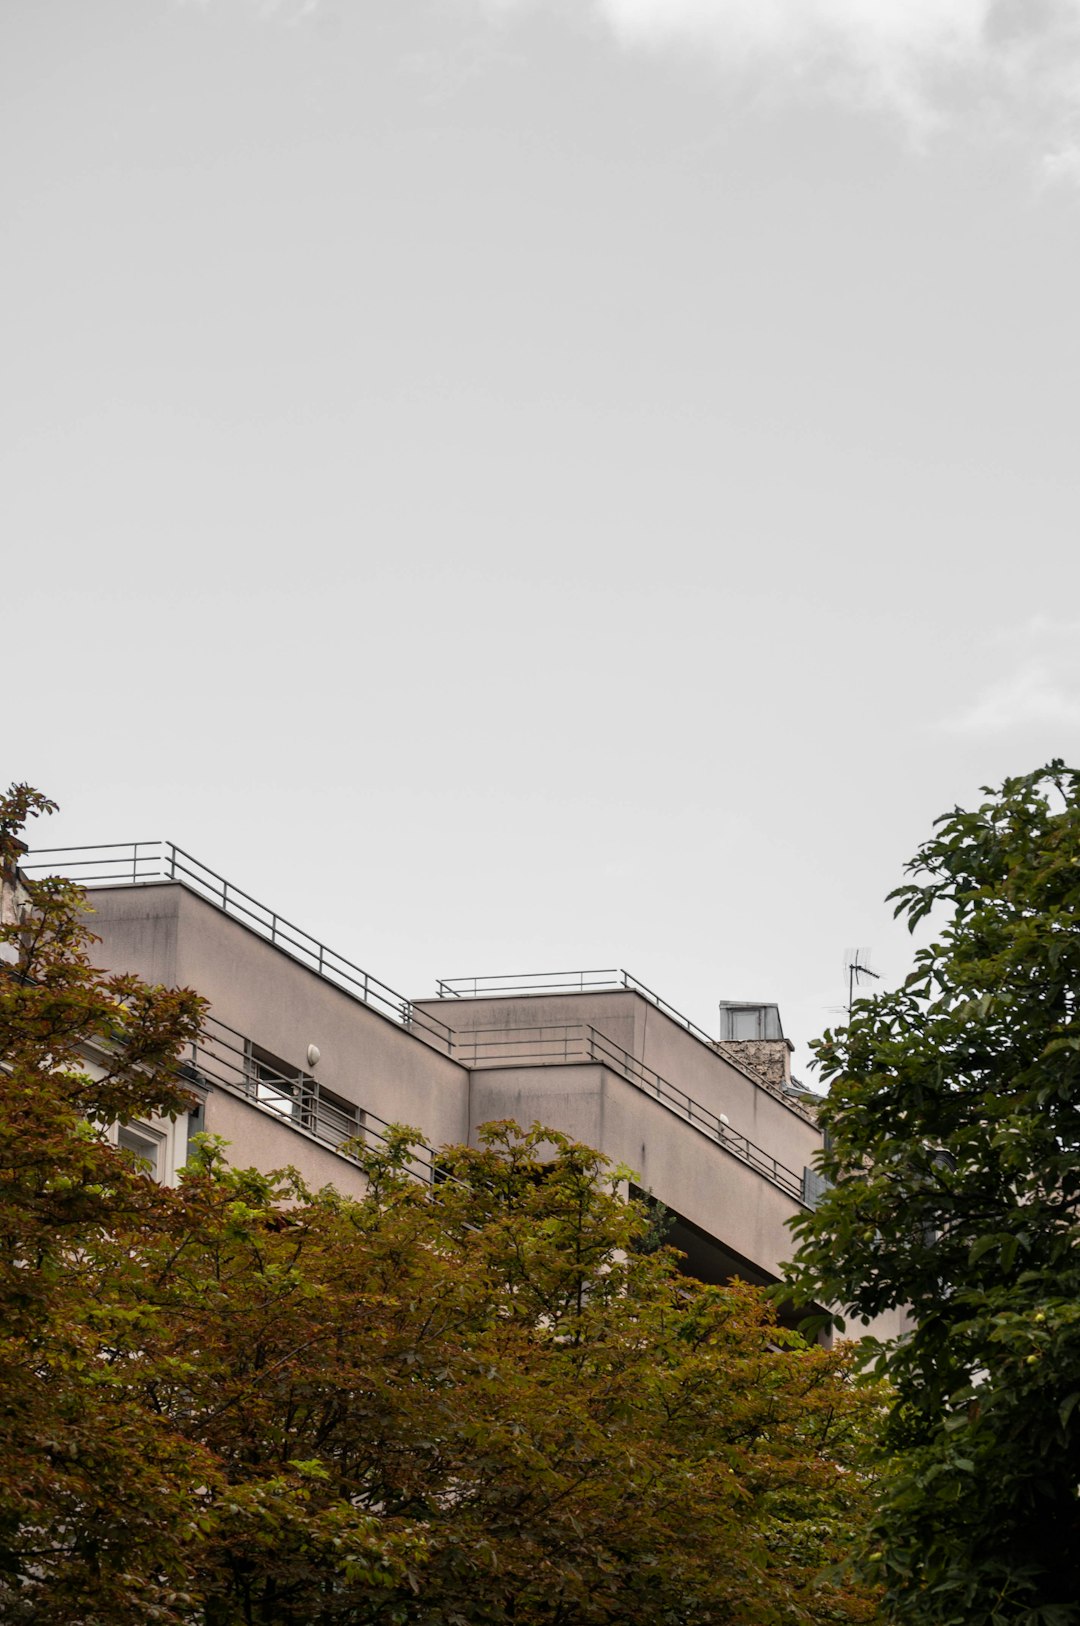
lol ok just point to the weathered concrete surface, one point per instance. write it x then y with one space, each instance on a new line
170 935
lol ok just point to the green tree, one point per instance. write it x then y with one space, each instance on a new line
244 1403
953 1122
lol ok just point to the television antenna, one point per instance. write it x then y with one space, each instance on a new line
857 968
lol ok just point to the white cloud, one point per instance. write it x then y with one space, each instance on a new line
1042 686
1032 695
805 27
1062 166
1011 64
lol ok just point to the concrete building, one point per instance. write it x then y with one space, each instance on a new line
304 1050
13 899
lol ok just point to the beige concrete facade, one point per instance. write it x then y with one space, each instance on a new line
607 1067
168 934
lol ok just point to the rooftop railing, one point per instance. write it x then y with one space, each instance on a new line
130 863
224 1059
564 1044
563 982
607 981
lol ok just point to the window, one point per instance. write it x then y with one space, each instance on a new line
336 1120
274 1083
814 1187
145 1144
297 1096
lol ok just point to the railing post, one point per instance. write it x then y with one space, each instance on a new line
172 861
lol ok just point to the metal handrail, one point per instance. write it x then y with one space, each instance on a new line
563 982
611 981
128 863
222 1058
530 982
561 1044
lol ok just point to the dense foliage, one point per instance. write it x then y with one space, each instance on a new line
241 1401
954 1125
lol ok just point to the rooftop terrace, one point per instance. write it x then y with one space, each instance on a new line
126 864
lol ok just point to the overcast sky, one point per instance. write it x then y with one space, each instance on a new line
527 485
